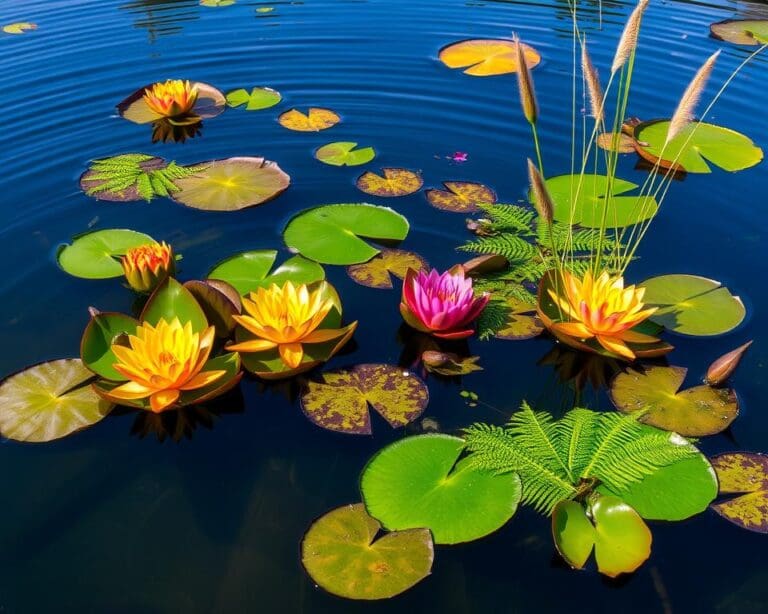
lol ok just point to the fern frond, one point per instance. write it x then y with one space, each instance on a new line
536 432
492 319
512 247
576 436
509 218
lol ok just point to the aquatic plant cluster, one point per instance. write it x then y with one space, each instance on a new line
556 265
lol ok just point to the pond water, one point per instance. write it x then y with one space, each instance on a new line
109 521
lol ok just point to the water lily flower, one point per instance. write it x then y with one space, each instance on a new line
442 305
162 361
172 98
146 266
603 309
285 317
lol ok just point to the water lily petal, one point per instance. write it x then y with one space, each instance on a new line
202 379
131 390
254 345
162 399
291 354
615 346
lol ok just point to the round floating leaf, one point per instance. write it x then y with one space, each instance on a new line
588 199
623 142
49 401
741 31
694 412
697 144
172 300
100 334
744 474
486 57
693 305
344 153
391 182
622 539
344 553
420 482
96 255
259 98
340 402
520 320
219 302
216 3
128 177
573 533
449 364
19 27
232 184
331 234
210 103
461 196
378 271
248 271
316 120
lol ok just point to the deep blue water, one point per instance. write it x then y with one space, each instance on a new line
106 521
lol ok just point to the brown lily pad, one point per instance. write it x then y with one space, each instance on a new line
741 31
210 103
521 321
392 182
449 364
461 196
744 474
624 144
378 271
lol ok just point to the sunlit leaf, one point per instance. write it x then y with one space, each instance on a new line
259 98
19 27
573 533
96 255
344 553
623 143
744 474
344 153
340 402
449 364
741 31
461 196
521 321
49 401
128 177
694 412
172 300
248 271
104 330
315 120
216 3
378 271
486 57
391 182
210 103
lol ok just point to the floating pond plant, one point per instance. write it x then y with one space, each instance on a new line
314 120
461 196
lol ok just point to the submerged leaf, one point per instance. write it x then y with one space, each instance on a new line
392 182
744 474
378 271
461 196
344 153
315 120
487 57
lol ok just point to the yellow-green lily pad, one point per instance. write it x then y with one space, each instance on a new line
250 270
345 153
257 99
19 27
392 182
744 474
741 31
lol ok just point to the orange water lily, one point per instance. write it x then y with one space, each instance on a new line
162 361
285 318
147 265
603 309
172 98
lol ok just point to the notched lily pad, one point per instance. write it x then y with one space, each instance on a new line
344 153
487 57
19 28
694 412
257 99
378 271
210 103
345 553
248 271
521 321
461 196
744 474
621 143
96 255
315 120
340 401
449 364
392 182
741 31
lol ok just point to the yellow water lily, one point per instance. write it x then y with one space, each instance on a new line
285 318
162 361
603 309
172 98
147 265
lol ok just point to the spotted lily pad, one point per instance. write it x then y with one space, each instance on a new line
744 474
378 271
693 305
521 321
694 412
697 144
232 184
461 196
486 57
96 255
344 553
19 27
48 401
344 153
340 401
582 201
315 120
741 31
420 482
332 234
210 103
449 364
391 182
257 99
248 271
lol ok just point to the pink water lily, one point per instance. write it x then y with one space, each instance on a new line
442 305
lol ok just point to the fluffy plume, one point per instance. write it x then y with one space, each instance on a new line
525 84
541 198
628 40
687 105
593 84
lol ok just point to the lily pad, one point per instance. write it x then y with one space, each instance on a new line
210 103
449 364
378 271
232 184
420 482
19 28
694 412
340 402
103 330
487 57
461 196
315 120
219 301
172 300
741 31
693 305
216 3
584 205
331 234
344 553
259 98
344 153
136 174
521 321
392 182
623 142
697 144
96 255
744 474
248 271
48 401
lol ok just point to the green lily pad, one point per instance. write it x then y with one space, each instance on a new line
340 402
344 153
693 305
216 3
96 255
420 482
248 271
741 31
48 401
573 533
103 330
259 98
332 234
589 200
694 412
172 300
345 555
697 144
19 27
744 474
